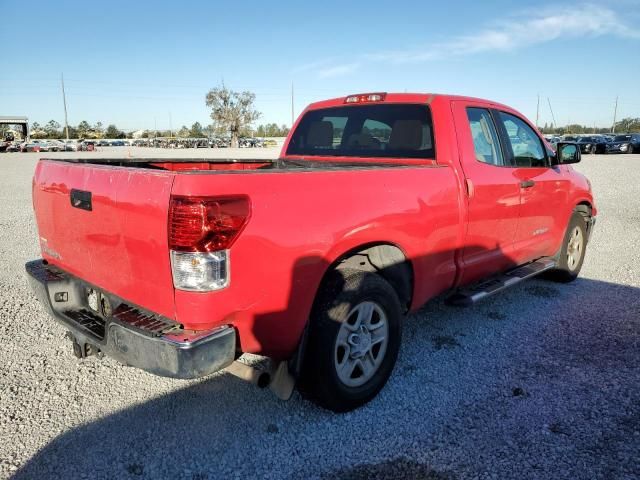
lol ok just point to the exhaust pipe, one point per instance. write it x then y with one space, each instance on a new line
249 374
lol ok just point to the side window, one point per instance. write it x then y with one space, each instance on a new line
526 147
485 137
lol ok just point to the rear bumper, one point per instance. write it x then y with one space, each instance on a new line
127 333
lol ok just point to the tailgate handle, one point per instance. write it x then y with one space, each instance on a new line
81 199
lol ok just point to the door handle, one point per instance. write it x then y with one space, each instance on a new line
527 183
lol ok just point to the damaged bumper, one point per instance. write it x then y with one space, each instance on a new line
101 322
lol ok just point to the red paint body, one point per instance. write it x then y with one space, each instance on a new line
455 219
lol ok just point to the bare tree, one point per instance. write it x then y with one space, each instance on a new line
232 110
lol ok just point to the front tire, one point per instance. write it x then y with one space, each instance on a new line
354 340
573 250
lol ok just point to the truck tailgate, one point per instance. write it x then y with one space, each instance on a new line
117 240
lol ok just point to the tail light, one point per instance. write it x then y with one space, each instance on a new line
201 231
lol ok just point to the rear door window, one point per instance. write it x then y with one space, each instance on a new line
486 143
380 130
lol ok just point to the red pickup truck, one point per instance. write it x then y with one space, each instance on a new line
377 203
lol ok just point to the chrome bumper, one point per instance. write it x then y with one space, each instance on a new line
129 334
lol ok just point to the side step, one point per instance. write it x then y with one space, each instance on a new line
474 293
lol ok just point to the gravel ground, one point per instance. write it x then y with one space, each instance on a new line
540 382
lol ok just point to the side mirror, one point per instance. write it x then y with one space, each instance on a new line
566 153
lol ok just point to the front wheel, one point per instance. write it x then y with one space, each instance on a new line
573 249
354 340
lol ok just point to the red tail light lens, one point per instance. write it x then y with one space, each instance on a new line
206 224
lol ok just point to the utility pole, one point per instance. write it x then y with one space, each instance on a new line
291 104
170 127
538 112
615 113
552 115
64 102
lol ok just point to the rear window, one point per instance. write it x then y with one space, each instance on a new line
381 130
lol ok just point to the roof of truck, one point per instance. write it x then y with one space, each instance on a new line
390 97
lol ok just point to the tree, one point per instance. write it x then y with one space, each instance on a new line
232 110
196 131
113 132
52 129
37 131
628 125
84 129
183 132
97 129
272 130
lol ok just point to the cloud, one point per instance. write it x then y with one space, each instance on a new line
522 30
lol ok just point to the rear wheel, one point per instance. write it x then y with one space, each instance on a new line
573 250
354 340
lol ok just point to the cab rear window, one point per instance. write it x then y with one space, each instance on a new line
381 130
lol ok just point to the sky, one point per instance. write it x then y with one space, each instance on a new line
146 65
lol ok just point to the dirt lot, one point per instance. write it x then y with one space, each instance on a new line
540 382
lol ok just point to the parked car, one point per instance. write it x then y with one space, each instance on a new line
14 147
88 145
117 143
56 146
593 144
626 143
72 145
35 146
377 204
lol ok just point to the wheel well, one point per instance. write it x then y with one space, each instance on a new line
386 260
584 208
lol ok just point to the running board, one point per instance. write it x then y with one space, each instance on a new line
474 293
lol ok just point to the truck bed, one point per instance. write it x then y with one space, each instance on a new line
231 164
302 217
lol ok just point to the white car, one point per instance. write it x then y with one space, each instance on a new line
71 145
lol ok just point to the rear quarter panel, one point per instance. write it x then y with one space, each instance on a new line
301 222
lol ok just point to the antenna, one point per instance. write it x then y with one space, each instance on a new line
64 102
538 112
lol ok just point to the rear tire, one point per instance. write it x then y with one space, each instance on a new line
354 339
573 250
